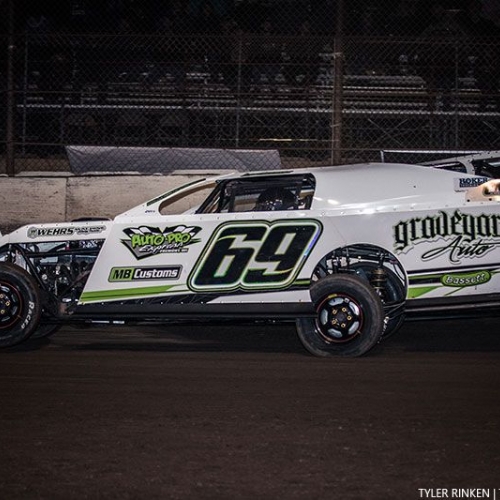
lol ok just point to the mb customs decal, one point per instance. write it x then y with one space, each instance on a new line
145 241
42 232
457 235
144 273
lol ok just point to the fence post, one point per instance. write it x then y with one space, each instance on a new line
238 89
338 85
10 102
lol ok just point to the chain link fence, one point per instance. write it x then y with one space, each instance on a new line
315 98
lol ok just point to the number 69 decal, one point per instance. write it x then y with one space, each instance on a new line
254 255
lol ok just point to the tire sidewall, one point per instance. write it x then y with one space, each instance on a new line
17 278
44 330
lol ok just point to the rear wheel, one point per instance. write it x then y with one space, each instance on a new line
349 317
19 305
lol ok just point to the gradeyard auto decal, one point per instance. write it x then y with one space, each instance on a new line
458 235
145 241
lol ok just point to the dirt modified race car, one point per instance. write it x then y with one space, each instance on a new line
345 252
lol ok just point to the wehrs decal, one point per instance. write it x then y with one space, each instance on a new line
145 241
462 236
42 232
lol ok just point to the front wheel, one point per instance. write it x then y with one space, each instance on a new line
19 305
349 317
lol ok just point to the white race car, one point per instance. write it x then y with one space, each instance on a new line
346 252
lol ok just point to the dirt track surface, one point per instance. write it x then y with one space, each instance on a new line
242 412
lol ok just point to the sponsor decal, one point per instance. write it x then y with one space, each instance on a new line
466 279
465 183
463 236
41 232
144 273
145 241
422 284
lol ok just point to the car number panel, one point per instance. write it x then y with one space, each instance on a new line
203 257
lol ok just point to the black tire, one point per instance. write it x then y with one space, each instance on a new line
44 330
349 317
19 305
393 296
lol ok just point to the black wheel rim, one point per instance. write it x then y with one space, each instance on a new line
10 305
339 319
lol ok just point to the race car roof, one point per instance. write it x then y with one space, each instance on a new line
372 183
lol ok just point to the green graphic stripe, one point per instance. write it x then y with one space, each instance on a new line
419 279
414 293
302 282
426 278
127 293
456 281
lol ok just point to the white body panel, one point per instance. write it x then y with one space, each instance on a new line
442 227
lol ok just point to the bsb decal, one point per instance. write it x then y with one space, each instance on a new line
145 241
458 235
254 255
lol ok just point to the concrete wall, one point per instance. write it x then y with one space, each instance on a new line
31 199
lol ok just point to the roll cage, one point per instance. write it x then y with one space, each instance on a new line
242 194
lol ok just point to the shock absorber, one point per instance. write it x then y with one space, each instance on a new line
378 279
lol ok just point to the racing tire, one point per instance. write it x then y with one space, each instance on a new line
44 330
349 317
20 307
